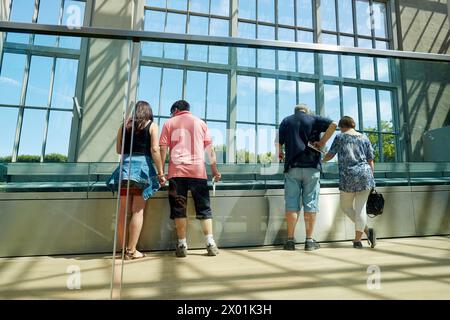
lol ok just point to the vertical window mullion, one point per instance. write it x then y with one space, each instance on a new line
60 21
380 135
21 109
34 20
49 103
160 92
206 96
360 112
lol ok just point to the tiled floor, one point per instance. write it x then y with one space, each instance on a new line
409 268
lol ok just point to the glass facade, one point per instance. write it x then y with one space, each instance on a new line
38 77
270 82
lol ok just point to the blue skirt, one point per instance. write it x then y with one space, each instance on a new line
141 173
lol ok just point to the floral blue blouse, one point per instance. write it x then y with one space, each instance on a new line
353 153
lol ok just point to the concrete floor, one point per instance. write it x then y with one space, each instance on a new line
411 268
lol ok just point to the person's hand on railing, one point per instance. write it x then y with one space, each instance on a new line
162 179
216 175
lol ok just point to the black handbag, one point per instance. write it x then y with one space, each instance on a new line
375 204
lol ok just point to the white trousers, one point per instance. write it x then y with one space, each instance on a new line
354 206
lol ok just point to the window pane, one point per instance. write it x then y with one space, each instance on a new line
366 68
328 15
379 17
348 65
58 133
328 39
218 133
382 45
217 96
388 145
330 65
149 87
218 27
201 6
246 56
369 109
383 69
8 121
154 20
346 41
332 101
307 94
387 123
73 17
306 62
172 88
49 13
245 143
350 103
21 11
266 100
266 10
305 36
266 147
198 25
220 7
364 43
374 139
304 13
32 132
266 57
64 83
363 17
156 3
11 78
287 98
247 9
196 92
345 16
286 12
39 81
286 59
177 4
245 100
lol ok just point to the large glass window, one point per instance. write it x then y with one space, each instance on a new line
37 89
207 17
269 83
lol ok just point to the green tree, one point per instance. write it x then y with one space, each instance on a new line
387 142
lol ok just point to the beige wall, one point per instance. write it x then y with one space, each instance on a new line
74 223
424 25
106 84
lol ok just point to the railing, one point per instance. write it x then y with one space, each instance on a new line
91 177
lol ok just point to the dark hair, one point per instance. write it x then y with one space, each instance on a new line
181 105
347 123
143 113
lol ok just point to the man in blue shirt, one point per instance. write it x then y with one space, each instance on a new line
302 168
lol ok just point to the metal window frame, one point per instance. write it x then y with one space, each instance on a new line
30 50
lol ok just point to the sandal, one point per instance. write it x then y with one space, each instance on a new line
133 255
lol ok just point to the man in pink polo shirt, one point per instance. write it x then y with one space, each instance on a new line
187 138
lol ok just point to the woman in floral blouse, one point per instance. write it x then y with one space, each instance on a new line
355 160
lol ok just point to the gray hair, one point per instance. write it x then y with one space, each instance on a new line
302 108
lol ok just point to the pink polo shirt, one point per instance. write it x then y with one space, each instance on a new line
187 137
